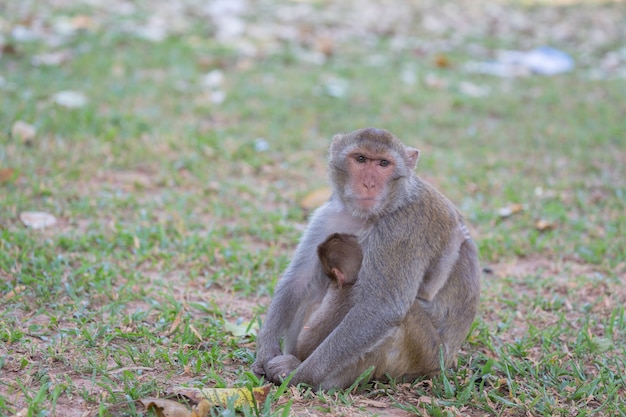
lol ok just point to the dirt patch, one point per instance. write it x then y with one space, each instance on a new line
537 291
578 282
229 303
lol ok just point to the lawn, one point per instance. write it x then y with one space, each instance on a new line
180 146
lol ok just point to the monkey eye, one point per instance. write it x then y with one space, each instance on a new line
360 159
384 163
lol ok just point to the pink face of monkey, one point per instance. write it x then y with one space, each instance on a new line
369 177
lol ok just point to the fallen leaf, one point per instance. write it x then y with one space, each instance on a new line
325 45
315 198
82 21
543 225
165 408
510 210
196 332
424 399
295 393
214 397
8 49
37 219
6 175
374 403
202 409
241 329
23 131
442 61
175 323
600 344
15 291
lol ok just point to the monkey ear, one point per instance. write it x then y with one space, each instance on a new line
335 142
412 156
341 278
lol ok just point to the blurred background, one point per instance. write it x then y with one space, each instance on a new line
159 159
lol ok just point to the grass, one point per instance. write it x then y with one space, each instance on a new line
177 212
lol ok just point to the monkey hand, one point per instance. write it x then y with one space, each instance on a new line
277 369
264 354
258 369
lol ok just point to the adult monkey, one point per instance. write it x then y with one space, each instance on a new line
418 288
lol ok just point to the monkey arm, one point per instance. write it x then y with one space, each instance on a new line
287 308
336 362
298 289
381 304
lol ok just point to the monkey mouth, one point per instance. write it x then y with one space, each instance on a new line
367 203
362 203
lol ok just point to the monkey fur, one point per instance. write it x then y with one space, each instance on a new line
417 290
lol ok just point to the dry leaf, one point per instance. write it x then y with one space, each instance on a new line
15 291
202 409
543 225
37 219
508 211
424 399
325 45
23 131
315 198
374 403
214 397
295 393
176 322
442 61
8 49
196 332
82 21
165 408
241 329
6 175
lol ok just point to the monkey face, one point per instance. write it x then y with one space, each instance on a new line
368 167
369 177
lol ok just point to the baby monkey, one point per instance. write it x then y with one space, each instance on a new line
341 257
